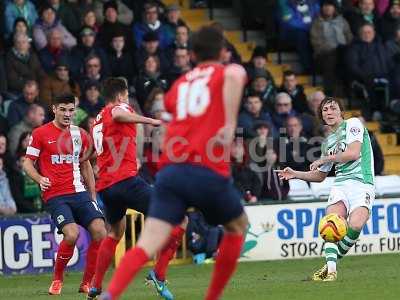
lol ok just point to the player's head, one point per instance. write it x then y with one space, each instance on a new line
115 90
208 44
64 109
331 111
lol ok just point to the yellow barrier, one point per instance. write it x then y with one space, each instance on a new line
134 217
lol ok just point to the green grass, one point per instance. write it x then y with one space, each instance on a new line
363 277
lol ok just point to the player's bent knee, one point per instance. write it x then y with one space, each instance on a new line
97 229
71 233
239 225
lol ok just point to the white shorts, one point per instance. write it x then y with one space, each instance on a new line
353 194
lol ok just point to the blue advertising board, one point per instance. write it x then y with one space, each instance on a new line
28 244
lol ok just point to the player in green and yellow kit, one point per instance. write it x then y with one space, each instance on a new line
348 147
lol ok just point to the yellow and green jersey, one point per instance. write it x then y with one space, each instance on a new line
362 169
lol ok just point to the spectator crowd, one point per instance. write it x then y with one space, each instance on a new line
353 44
55 47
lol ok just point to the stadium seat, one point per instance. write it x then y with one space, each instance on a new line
373 126
387 185
194 15
321 189
299 190
387 139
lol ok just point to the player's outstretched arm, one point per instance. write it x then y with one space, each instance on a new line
123 116
311 176
30 169
88 177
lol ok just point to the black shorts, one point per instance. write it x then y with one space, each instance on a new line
132 192
181 186
73 208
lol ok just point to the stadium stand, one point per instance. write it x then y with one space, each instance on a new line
246 25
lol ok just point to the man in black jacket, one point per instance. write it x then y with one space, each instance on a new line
369 64
295 91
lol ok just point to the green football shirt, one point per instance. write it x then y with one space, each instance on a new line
362 169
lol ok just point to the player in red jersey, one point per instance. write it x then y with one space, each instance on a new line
119 186
195 165
57 159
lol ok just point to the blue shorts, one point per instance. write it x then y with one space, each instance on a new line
132 192
181 186
73 208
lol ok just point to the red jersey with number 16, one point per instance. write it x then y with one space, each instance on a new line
196 102
115 145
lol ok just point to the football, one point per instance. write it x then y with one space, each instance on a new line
332 228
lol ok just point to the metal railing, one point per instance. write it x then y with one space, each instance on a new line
129 239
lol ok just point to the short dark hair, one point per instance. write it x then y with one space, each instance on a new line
150 4
184 26
63 99
288 73
253 95
113 86
328 100
207 43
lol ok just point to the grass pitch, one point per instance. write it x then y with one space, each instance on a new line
360 278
